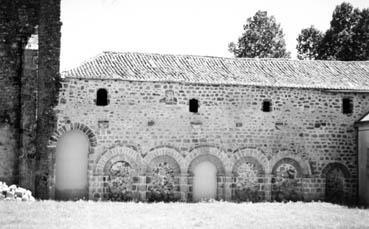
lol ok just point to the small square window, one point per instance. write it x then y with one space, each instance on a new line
347 106
267 106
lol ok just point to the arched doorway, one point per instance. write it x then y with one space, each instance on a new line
71 166
204 181
335 174
245 185
286 182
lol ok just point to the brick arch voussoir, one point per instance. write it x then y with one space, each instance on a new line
121 157
115 154
256 154
209 150
70 127
281 155
333 165
164 151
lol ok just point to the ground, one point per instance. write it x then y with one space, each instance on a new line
83 214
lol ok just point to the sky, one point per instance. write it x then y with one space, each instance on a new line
193 27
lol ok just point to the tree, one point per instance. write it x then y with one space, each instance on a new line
337 43
308 42
361 36
346 39
262 37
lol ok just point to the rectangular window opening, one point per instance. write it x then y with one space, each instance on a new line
347 106
267 106
194 105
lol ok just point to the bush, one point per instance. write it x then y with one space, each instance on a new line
287 190
14 192
161 196
248 195
122 196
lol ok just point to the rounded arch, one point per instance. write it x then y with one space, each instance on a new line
119 158
165 159
255 156
335 165
116 154
248 160
304 166
211 158
70 127
168 154
214 154
288 161
71 166
335 175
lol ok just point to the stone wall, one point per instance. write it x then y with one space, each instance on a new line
28 117
48 84
17 22
283 152
22 140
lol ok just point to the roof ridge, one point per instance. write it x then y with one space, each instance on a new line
89 60
230 58
224 70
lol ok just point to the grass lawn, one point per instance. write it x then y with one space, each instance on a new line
83 214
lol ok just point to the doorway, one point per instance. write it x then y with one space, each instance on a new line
204 181
71 166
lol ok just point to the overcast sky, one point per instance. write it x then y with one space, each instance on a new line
199 27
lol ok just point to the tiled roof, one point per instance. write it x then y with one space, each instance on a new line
335 75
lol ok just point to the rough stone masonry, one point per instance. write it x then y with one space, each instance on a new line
136 126
28 92
295 141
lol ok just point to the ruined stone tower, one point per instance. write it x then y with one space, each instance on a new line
28 89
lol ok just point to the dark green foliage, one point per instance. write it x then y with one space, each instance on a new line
162 187
262 37
347 39
338 40
120 182
361 36
286 189
121 196
161 196
248 195
308 42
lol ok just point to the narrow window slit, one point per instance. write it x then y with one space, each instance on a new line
194 105
347 106
102 97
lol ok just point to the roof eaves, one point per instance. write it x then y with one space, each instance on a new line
332 89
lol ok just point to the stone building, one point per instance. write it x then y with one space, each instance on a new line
162 127
169 127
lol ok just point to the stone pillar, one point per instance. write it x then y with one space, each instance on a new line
268 187
142 187
227 187
322 190
48 84
91 184
183 186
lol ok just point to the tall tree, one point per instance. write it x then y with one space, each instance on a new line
337 43
346 39
308 42
262 37
361 36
